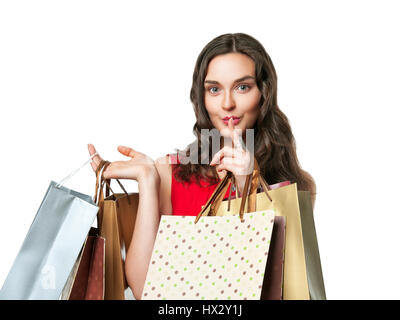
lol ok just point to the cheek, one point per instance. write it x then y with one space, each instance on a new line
211 106
250 103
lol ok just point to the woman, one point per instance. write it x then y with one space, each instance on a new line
234 87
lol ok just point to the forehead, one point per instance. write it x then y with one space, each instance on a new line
229 67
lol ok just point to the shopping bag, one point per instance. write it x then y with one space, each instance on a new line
313 261
272 287
86 281
273 279
311 251
52 245
284 201
116 222
273 276
217 258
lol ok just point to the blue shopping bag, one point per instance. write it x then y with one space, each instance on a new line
51 246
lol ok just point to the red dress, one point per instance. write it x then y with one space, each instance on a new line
187 198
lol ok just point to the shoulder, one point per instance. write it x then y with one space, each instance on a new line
313 187
165 172
162 162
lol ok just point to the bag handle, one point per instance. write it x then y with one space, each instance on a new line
99 167
98 173
218 195
257 180
100 181
221 186
249 193
108 188
233 183
58 185
99 192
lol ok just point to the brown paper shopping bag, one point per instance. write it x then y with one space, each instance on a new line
86 281
116 221
285 202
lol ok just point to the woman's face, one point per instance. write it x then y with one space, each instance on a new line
231 91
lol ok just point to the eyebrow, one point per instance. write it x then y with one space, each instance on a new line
236 81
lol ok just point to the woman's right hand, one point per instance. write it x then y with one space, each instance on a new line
137 168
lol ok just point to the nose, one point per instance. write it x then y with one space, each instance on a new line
228 102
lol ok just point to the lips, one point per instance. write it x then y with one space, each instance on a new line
235 120
228 117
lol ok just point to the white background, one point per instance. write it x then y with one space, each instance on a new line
119 73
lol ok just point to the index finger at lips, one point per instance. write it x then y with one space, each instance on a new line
233 133
231 130
237 145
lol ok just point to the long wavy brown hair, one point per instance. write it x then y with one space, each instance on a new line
274 143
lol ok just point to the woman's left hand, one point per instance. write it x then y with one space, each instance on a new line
236 159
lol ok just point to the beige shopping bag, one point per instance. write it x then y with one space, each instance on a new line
217 258
284 201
